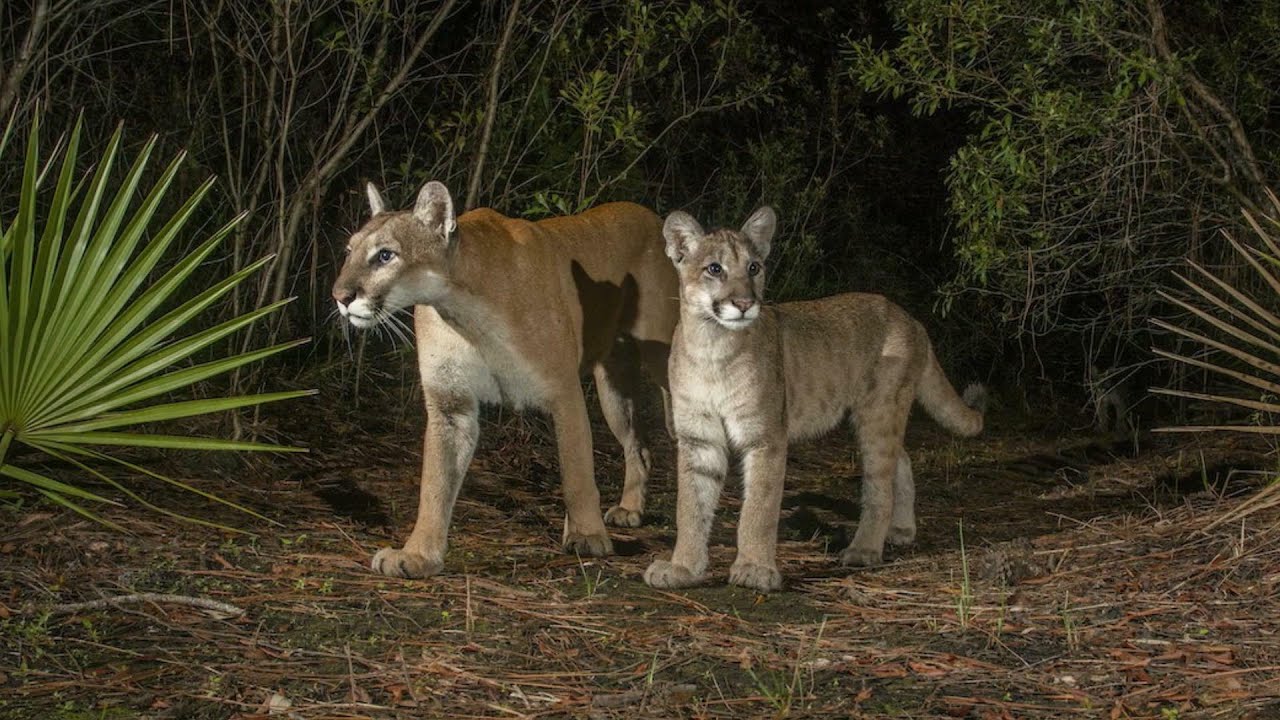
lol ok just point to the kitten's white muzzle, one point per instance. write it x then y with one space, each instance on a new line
730 316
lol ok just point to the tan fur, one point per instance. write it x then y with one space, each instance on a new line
514 312
749 379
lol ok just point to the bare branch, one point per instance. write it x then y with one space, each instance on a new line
219 608
495 73
319 175
11 81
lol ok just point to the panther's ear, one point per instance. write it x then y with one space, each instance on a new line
435 208
682 233
759 229
375 199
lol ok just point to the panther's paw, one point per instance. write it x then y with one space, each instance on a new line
593 545
667 575
619 516
404 564
757 577
901 535
861 556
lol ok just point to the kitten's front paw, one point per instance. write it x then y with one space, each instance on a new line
667 575
757 577
393 562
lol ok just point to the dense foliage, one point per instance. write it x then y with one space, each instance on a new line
1108 140
530 107
1042 162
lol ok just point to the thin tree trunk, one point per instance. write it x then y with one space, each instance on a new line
317 179
495 75
1246 165
11 81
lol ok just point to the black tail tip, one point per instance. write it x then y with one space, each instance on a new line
975 396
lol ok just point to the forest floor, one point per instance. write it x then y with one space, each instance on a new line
1054 576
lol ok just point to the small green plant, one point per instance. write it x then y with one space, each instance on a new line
29 636
999 628
229 548
91 324
590 584
90 629
1070 630
781 691
964 603
776 689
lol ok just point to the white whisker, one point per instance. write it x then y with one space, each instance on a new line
401 328
397 327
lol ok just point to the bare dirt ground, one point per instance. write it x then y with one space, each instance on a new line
1054 577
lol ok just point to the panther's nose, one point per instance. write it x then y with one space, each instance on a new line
743 304
344 296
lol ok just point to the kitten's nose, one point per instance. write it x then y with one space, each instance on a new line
743 304
344 296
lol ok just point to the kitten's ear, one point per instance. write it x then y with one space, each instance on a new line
759 229
682 233
435 208
376 205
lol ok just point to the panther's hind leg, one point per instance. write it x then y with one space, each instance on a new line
881 422
902 523
618 382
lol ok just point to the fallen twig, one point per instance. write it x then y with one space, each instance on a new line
202 603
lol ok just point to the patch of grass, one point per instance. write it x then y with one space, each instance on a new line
28 637
590 585
782 691
74 711
964 603
1070 630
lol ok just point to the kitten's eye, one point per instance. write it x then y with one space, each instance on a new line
346 250
714 270
753 269
384 256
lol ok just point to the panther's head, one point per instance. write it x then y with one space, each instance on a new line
399 258
721 272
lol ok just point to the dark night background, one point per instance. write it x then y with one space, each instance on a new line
1021 175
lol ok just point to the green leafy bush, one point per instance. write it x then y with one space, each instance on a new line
1104 142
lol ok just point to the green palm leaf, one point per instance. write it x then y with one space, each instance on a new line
84 345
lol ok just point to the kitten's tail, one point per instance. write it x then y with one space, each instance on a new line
960 415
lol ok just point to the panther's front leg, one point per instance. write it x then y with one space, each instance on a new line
453 427
764 469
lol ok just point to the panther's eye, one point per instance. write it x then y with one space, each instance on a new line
714 270
753 269
384 256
